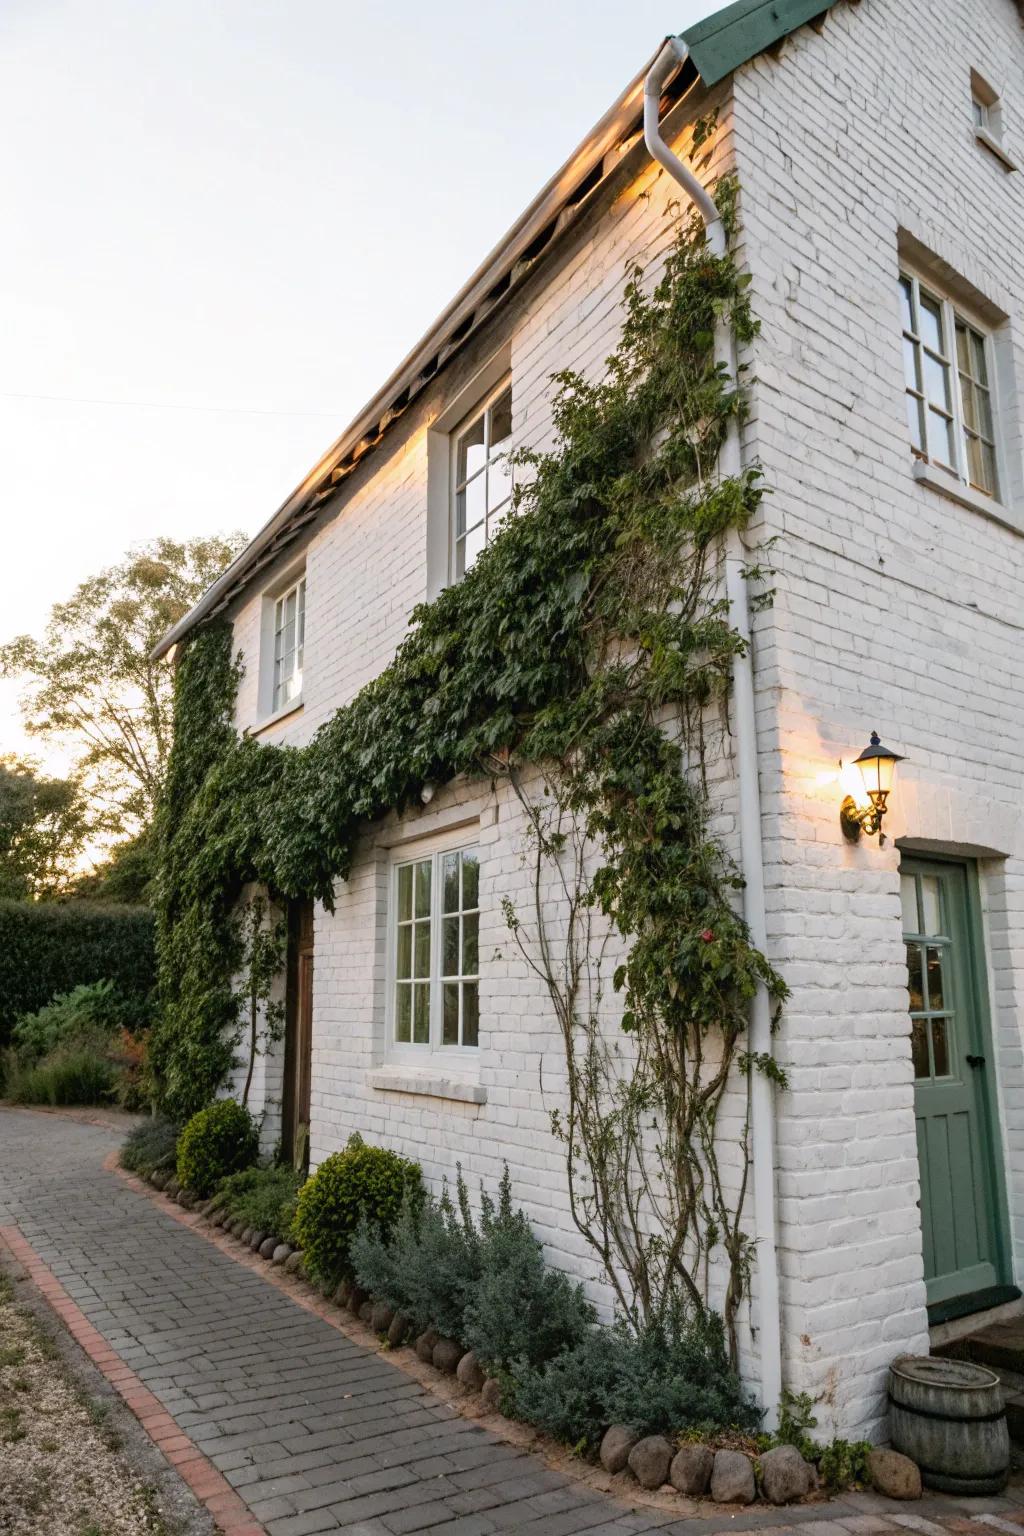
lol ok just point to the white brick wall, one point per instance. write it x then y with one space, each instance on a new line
895 607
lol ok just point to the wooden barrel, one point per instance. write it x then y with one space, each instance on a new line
949 1417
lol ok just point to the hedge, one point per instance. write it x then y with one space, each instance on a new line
51 947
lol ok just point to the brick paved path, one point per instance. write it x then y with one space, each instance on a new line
315 1432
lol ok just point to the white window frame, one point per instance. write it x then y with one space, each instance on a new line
482 409
459 408
297 655
987 119
952 312
430 1052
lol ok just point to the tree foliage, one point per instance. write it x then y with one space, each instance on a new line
90 683
43 824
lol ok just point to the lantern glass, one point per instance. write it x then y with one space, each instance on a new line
877 765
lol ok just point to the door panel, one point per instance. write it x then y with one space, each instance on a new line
298 1048
960 1199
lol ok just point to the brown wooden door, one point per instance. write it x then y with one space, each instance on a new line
298 1050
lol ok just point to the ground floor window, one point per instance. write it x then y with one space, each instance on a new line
434 936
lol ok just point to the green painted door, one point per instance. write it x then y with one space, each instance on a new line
960 1192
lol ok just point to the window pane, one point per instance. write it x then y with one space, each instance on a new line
450 1018
940 438
906 305
423 888
472 454
470 1013
980 464
403 965
940 1049
914 978
980 361
471 504
501 418
403 1015
919 1047
963 347
911 363
968 396
472 545
935 979
930 322
499 483
422 948
930 904
914 422
470 878
450 944
470 944
908 899
936 380
451 882
405 892
421 1013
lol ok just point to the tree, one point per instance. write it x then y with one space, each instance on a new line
92 685
43 826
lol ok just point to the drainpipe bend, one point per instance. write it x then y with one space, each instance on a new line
762 1118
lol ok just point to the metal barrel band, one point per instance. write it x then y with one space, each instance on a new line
948 1418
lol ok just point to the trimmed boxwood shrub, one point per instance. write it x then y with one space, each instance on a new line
47 948
220 1139
361 1184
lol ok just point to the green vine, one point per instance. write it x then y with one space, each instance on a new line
588 644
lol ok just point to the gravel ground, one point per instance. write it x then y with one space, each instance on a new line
66 1462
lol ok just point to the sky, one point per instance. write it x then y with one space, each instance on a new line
226 221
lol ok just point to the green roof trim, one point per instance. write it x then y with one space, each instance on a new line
730 37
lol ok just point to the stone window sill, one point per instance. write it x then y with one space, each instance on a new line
291 708
430 1081
947 485
994 147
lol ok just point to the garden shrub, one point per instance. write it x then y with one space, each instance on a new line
94 1008
265 1199
79 1072
519 1309
150 1146
671 1377
567 1398
49 948
360 1184
427 1265
220 1139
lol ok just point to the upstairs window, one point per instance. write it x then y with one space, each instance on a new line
948 378
481 477
289 644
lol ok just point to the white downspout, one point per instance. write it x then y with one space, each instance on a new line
762 1130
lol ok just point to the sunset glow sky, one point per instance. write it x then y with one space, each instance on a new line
225 222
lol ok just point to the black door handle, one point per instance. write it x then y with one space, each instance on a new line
975 1061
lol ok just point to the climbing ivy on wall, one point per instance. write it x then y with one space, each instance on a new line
587 644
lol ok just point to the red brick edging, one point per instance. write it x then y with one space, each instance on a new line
210 1487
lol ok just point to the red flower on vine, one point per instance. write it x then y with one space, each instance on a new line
707 935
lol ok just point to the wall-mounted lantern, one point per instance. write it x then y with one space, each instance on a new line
865 812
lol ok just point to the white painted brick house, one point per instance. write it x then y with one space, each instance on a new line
870 140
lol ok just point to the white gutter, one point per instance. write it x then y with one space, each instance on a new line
762 1130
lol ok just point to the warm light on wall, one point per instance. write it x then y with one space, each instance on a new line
867 782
